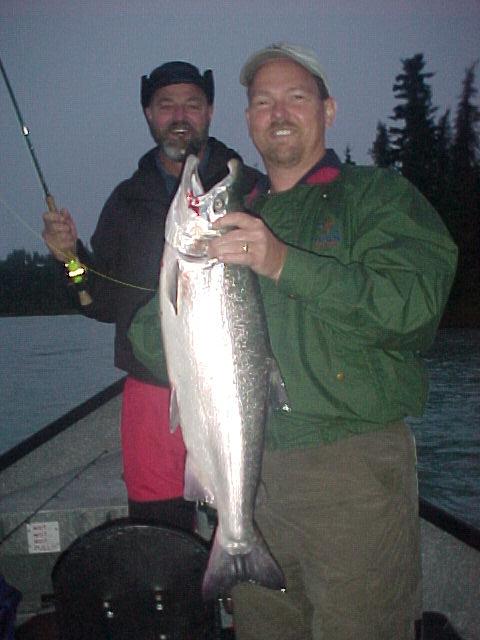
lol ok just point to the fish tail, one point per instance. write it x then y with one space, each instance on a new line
225 570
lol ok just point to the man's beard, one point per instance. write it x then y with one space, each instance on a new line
176 147
281 156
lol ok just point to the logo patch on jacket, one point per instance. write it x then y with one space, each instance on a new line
328 234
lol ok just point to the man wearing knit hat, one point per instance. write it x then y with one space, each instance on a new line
177 102
355 267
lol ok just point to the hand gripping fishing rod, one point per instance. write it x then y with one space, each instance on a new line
75 270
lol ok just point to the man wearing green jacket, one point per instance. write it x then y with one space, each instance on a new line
355 268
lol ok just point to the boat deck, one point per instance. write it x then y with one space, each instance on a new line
67 480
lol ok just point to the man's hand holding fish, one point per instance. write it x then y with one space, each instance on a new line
250 243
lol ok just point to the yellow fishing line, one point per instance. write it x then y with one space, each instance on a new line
68 258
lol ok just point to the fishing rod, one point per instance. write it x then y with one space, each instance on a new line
75 269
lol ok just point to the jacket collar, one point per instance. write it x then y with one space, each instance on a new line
214 160
145 183
326 170
171 181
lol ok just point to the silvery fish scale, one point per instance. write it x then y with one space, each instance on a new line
221 370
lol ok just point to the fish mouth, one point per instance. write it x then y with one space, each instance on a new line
194 238
193 211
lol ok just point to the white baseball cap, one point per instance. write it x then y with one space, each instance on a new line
304 57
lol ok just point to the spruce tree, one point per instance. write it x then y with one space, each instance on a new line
413 144
442 183
466 187
348 155
466 142
443 143
381 151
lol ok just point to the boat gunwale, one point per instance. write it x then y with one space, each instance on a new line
69 419
460 529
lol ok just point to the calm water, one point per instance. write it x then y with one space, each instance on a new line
50 364
448 435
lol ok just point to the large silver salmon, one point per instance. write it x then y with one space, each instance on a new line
222 373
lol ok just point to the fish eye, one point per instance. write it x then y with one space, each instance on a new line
218 204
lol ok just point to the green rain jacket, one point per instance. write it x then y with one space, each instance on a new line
367 276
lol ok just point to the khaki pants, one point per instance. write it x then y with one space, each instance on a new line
342 521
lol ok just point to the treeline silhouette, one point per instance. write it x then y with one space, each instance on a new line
33 285
442 160
439 156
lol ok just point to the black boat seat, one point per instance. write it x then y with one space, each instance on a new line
126 580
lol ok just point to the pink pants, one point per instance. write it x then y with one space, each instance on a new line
153 457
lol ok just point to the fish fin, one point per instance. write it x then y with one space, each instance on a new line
262 495
171 282
278 393
194 489
224 570
174 412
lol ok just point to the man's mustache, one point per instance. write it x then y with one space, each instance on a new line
282 124
175 127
